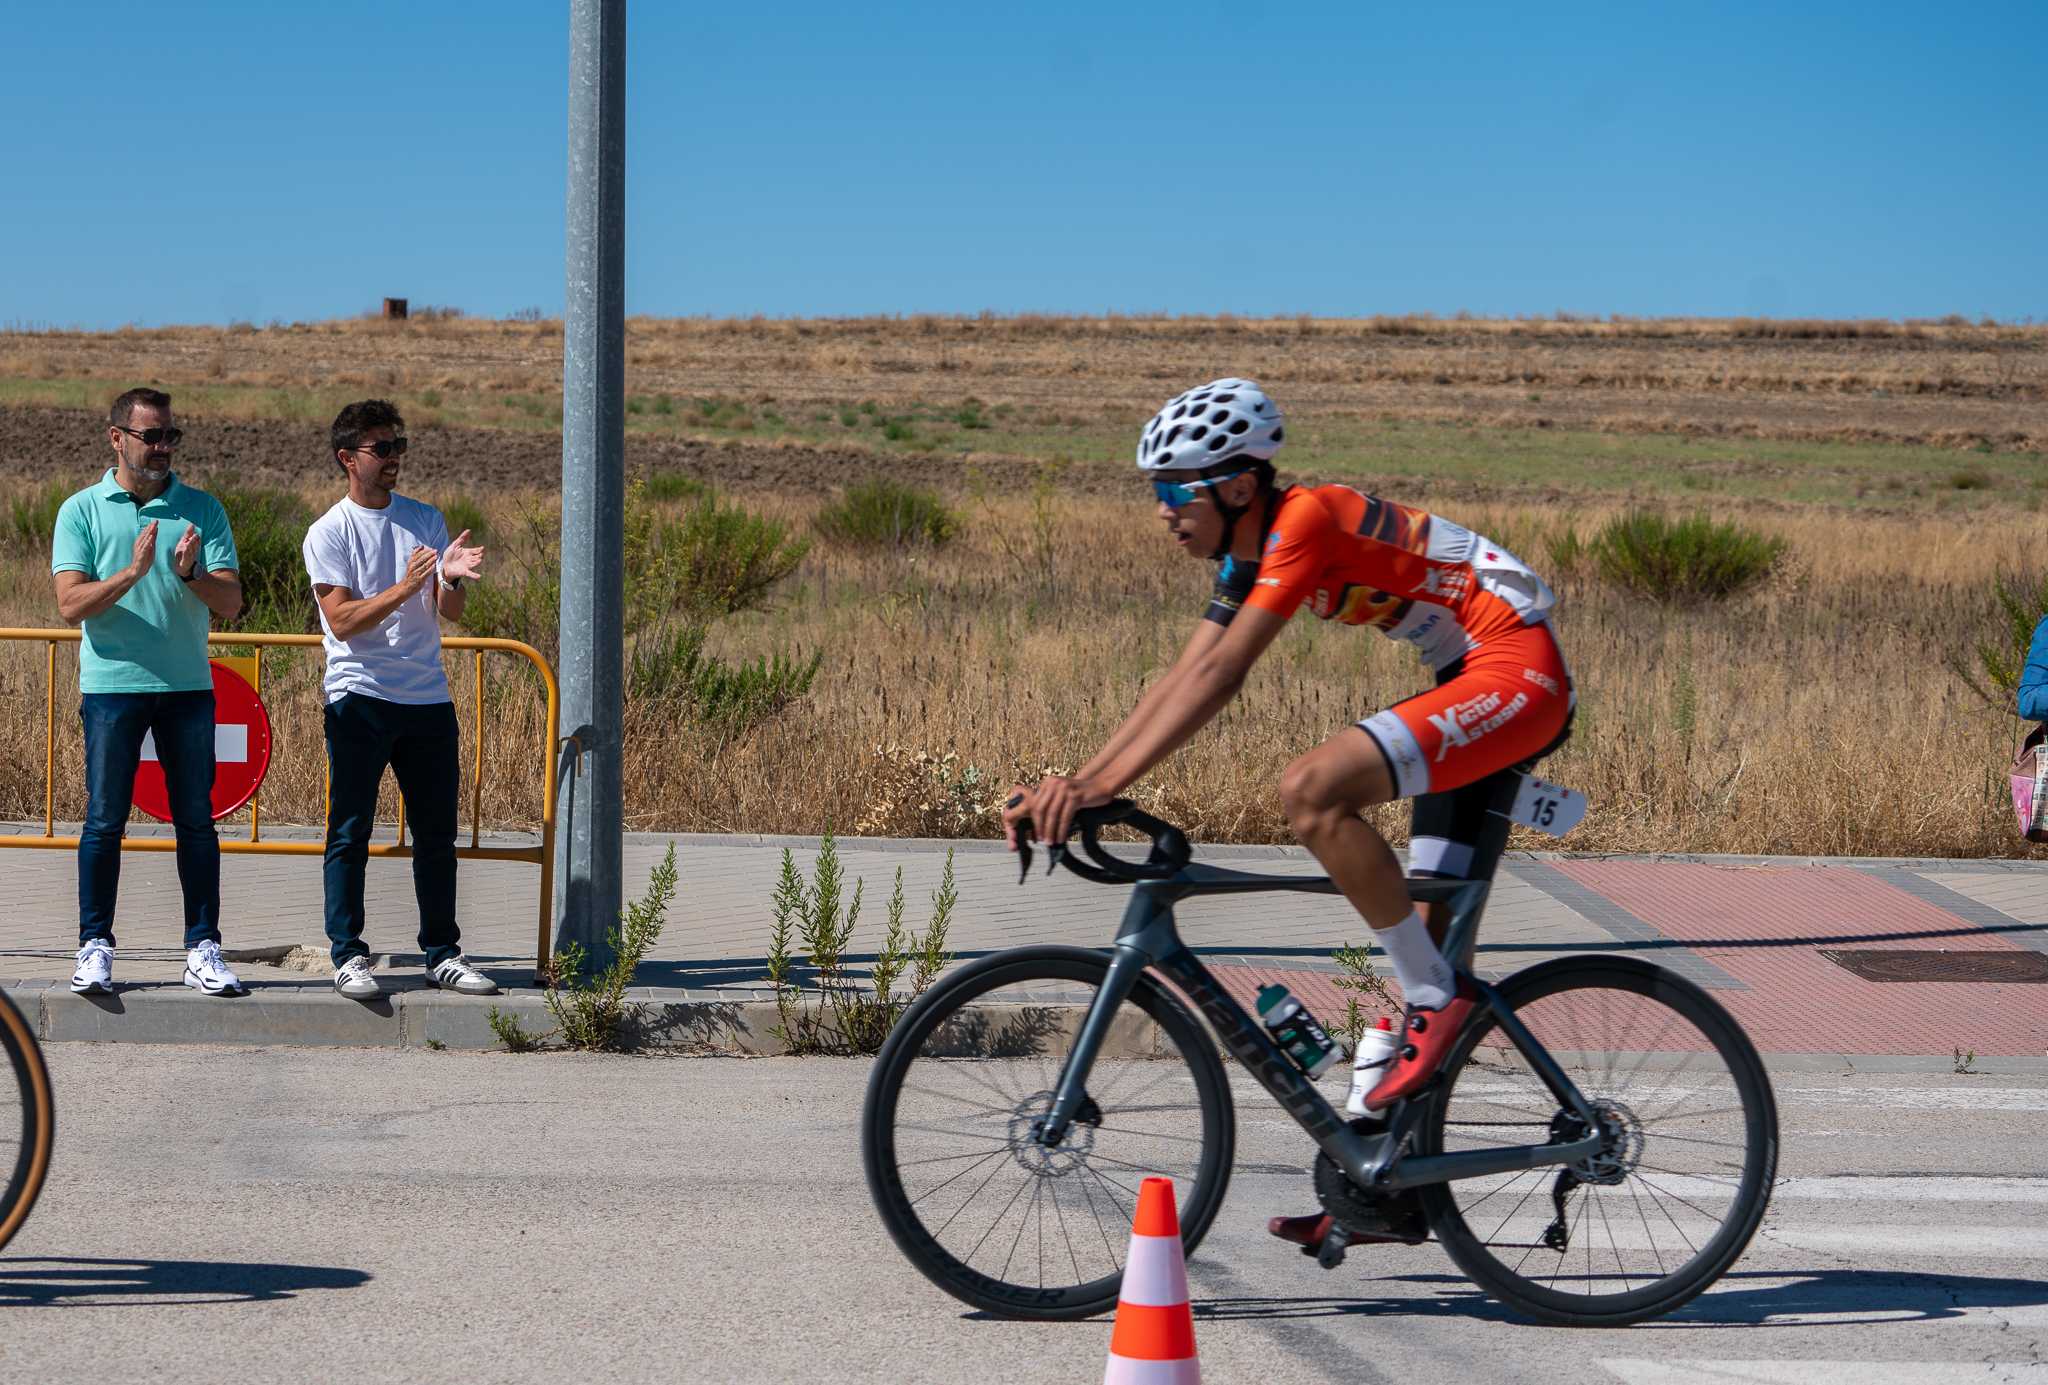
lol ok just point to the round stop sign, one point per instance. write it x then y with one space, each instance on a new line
241 751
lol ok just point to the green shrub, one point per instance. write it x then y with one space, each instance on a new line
672 667
848 1017
680 573
270 534
1683 560
32 514
883 513
2003 657
715 560
672 486
590 1009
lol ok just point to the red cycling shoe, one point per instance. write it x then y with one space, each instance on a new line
1428 1036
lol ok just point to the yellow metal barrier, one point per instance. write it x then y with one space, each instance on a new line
542 855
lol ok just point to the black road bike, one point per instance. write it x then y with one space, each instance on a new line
1597 1148
27 1121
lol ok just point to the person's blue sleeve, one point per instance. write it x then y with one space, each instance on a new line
2033 697
218 541
71 545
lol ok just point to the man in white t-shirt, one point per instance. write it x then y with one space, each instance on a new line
384 572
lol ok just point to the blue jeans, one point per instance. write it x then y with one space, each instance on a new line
364 734
115 723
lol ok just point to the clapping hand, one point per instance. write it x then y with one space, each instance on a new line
145 550
461 560
185 557
419 568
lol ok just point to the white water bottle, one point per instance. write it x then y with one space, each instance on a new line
1369 1063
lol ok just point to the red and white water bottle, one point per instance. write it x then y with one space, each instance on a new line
1369 1063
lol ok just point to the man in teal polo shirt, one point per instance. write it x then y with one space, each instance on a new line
141 560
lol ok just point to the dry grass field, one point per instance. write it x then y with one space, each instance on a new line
1818 714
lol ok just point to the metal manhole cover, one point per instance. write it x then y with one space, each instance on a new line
1921 964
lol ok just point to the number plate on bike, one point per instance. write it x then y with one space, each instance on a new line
1548 807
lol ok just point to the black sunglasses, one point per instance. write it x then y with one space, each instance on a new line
385 450
154 437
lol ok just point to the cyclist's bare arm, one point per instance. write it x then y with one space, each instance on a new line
1187 702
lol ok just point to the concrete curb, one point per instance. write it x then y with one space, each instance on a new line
732 1023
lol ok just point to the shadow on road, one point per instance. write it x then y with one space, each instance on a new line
32 1282
1744 1298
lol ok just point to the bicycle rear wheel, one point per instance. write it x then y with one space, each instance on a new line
1672 1200
983 1210
27 1121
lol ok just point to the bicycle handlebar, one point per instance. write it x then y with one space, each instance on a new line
1170 850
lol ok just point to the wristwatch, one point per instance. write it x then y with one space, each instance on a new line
451 584
188 576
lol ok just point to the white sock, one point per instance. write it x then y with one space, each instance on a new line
1425 976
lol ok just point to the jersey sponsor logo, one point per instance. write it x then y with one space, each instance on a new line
1541 680
1265 581
1450 583
1465 722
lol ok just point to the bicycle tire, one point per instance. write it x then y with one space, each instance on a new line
954 1024
28 1163
1730 1137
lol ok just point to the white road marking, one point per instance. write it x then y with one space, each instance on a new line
1711 1372
1892 1243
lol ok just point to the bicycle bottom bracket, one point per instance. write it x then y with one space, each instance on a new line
1033 1146
1369 1216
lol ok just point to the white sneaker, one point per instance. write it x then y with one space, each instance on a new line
353 979
456 974
208 972
95 974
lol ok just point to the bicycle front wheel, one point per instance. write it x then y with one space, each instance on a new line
27 1122
1679 1189
985 1210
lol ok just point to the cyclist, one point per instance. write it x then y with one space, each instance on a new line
1474 612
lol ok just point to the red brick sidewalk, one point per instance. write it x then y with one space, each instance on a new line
1764 926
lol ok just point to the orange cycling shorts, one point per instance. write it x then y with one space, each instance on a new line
1505 702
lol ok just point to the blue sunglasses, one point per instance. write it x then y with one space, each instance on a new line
1177 495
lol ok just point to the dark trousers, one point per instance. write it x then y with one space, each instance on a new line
115 723
364 734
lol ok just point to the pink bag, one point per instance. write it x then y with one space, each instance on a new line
2030 786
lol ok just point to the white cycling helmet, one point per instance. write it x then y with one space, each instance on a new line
1213 423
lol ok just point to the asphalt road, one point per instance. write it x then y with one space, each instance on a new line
295 1214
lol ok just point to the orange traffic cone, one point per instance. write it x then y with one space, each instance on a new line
1154 1340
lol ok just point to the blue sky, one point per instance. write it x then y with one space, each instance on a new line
212 162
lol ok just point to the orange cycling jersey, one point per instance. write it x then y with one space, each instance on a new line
1470 607
1362 560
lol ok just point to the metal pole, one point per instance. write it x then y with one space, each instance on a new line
588 885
